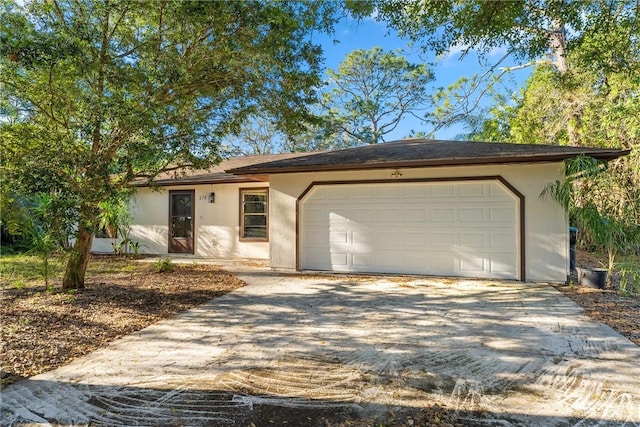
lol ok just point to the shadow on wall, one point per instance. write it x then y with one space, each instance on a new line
216 241
153 239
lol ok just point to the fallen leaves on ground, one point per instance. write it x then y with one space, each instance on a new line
43 329
610 307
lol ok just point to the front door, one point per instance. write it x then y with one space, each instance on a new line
181 222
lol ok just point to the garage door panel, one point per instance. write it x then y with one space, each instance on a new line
414 215
502 214
411 193
340 260
388 215
471 215
362 193
393 241
442 240
471 190
443 215
446 191
338 237
362 215
443 265
412 239
318 238
501 265
502 240
335 194
315 215
362 259
453 228
472 265
473 240
363 238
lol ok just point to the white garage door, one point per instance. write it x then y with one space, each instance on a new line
452 228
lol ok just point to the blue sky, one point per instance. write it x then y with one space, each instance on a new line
368 33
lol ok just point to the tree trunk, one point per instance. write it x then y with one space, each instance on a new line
78 261
558 44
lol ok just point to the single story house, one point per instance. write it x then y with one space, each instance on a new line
446 208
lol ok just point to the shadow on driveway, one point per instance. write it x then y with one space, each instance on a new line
302 349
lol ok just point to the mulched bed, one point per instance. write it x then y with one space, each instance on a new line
44 329
620 312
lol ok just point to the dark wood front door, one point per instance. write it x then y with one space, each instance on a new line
181 222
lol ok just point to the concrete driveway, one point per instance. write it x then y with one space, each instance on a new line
517 354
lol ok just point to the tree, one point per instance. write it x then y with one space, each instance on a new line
97 93
589 106
493 123
580 108
370 92
584 90
531 32
258 135
604 201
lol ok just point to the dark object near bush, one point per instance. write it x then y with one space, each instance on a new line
592 278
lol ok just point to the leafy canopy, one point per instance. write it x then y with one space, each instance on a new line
370 92
601 35
97 93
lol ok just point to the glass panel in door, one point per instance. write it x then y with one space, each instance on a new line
181 221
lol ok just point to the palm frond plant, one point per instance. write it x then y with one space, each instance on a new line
603 201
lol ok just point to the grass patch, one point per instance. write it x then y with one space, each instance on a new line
19 270
629 278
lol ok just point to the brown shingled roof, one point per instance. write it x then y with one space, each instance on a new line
215 174
419 153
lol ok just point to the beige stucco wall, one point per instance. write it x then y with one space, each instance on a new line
216 224
546 225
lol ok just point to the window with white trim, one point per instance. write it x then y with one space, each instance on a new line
254 211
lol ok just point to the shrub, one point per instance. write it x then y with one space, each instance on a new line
164 265
629 278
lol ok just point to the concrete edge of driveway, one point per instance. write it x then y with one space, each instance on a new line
523 353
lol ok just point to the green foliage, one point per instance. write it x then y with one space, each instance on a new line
598 37
525 28
98 93
164 265
579 108
19 269
43 223
114 217
127 247
630 278
369 94
7 250
18 284
258 135
488 124
603 203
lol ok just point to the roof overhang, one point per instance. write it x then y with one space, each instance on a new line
216 174
197 180
424 153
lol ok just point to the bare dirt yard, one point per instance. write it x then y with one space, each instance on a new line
44 328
